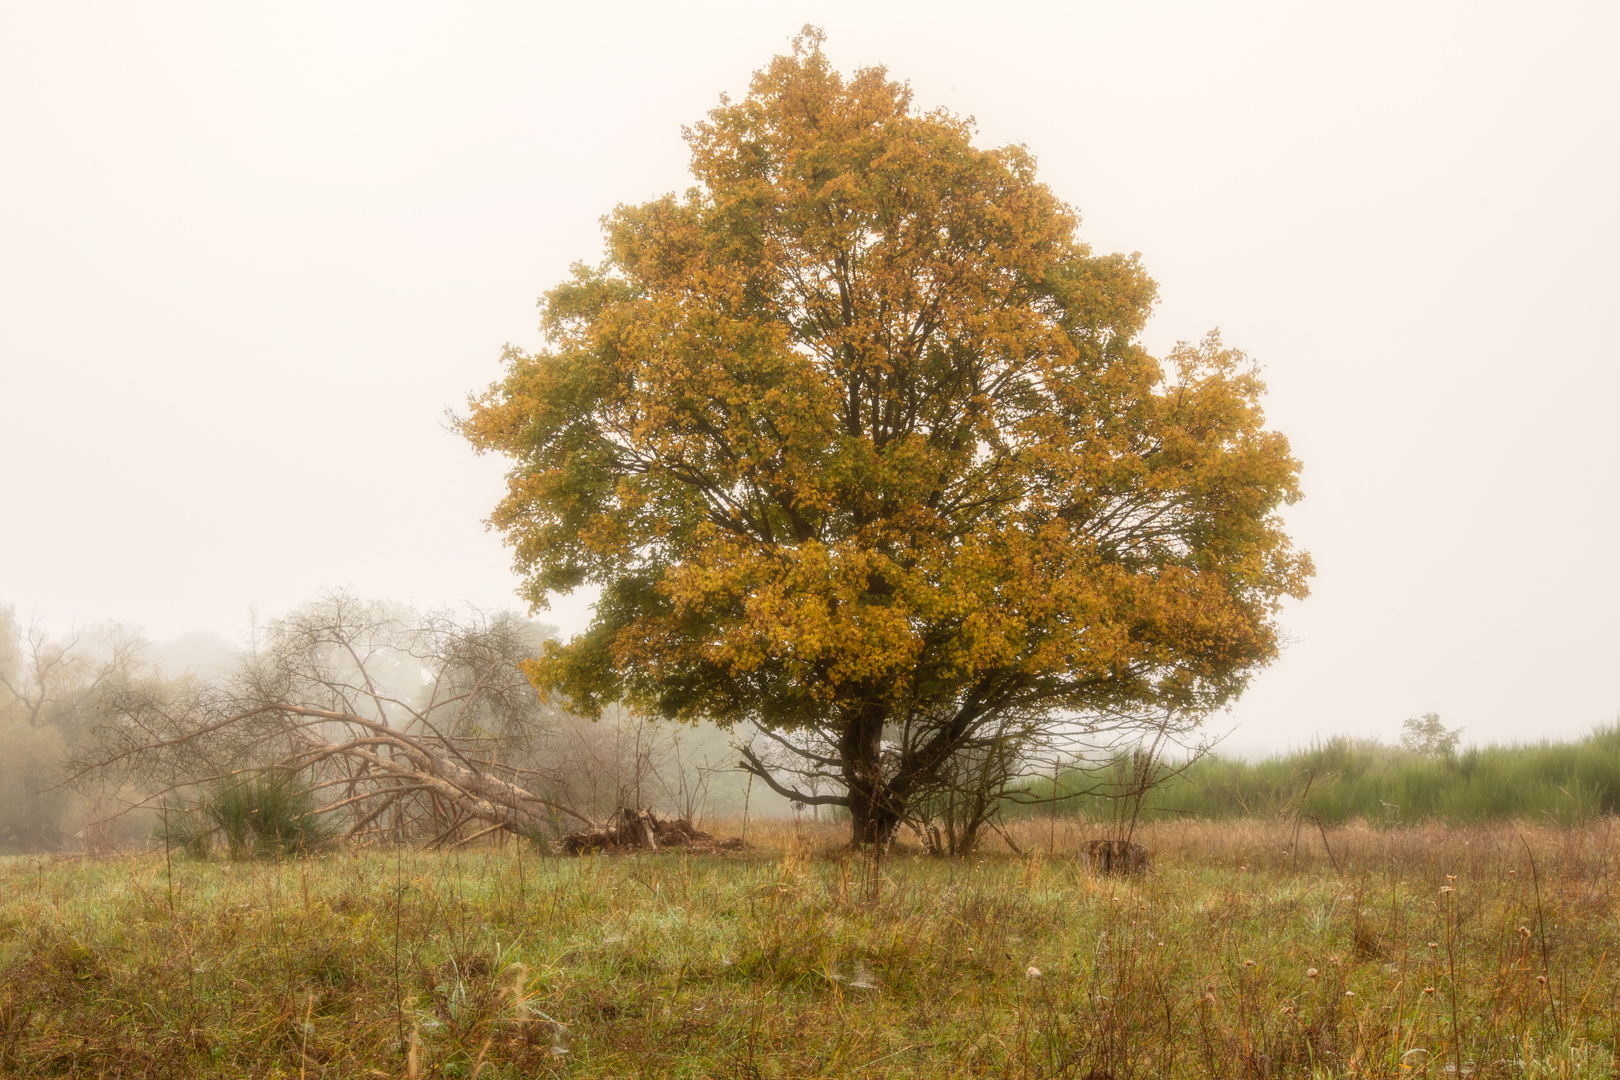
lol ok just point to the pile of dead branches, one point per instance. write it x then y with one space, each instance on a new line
643 830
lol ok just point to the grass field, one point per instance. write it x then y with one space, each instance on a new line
1250 951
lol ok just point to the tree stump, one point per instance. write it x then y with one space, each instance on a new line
1118 857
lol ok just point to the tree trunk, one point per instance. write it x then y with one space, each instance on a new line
33 837
872 811
873 824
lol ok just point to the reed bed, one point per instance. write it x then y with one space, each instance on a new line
1342 779
1253 950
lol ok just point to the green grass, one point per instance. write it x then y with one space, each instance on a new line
1563 783
793 960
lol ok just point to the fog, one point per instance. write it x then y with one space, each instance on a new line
249 258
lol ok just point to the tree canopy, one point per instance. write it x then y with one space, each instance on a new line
859 442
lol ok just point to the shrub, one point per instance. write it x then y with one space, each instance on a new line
271 813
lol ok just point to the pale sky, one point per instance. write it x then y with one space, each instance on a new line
248 258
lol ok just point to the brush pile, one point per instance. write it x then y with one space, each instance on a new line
643 830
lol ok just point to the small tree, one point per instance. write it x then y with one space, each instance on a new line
968 790
860 445
1425 735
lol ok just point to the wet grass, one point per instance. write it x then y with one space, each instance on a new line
1249 952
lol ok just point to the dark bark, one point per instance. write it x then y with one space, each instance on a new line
33 835
873 809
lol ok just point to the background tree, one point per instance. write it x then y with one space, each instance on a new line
859 443
624 759
1427 736
51 693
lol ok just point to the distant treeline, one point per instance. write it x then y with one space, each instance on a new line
1343 779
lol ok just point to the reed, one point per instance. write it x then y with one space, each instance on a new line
1343 779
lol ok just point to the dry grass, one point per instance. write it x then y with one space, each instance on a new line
1430 947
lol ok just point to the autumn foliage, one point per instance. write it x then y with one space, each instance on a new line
861 446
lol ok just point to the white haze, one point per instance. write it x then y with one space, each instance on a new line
249 255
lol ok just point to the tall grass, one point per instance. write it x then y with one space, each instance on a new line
1344 779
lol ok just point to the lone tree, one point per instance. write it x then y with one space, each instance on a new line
858 441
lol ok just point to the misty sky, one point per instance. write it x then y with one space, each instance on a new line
249 257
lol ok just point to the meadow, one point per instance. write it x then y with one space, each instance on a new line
1252 950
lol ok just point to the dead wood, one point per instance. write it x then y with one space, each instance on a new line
424 729
1118 857
643 830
